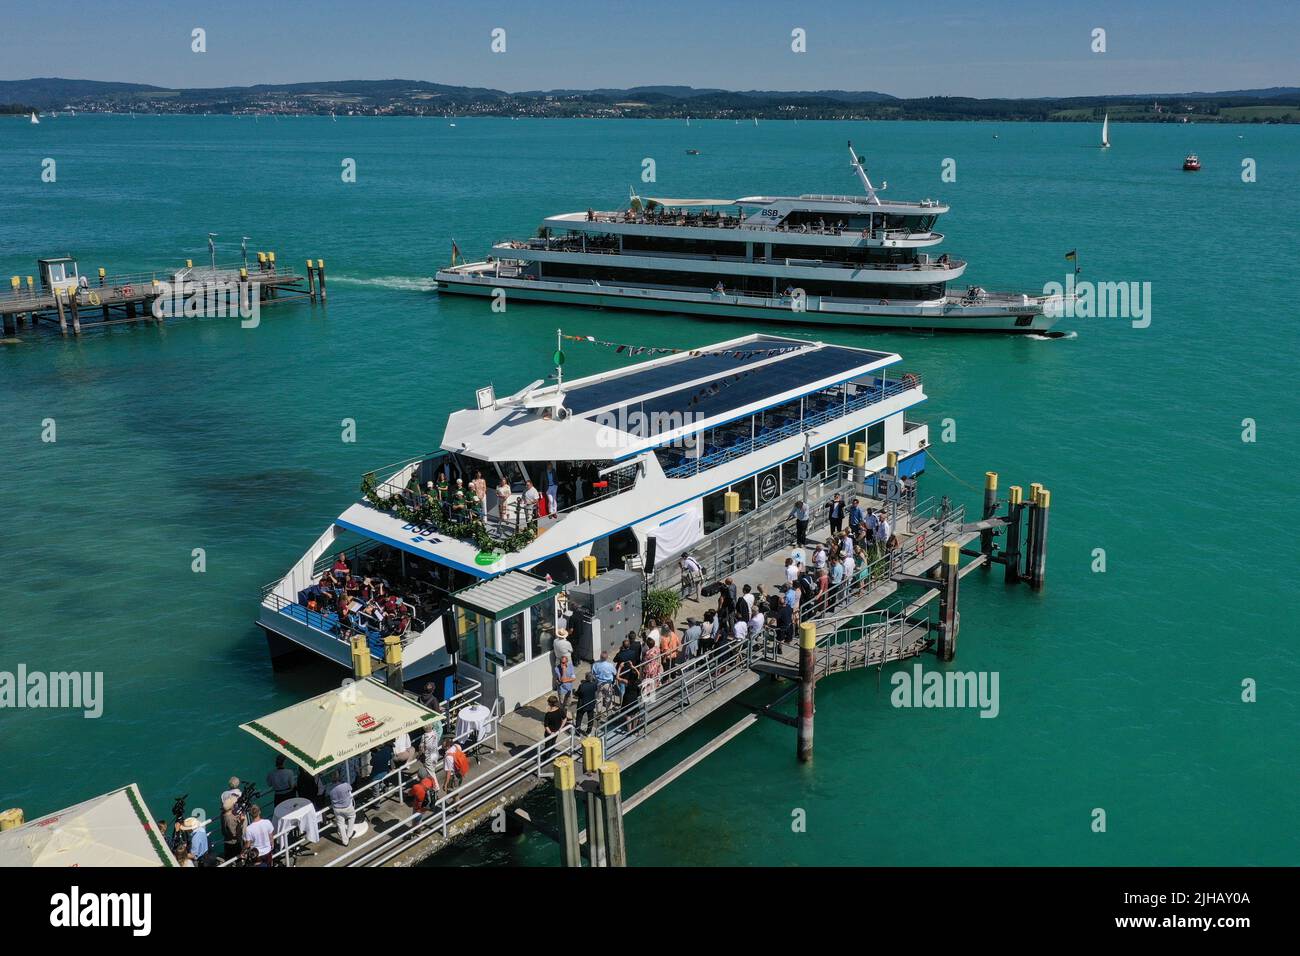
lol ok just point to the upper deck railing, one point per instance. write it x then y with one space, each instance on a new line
696 221
942 264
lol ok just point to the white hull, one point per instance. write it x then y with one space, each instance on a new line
937 315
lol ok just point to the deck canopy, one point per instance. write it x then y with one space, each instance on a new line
504 596
115 829
326 730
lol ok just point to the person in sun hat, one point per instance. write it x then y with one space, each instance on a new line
196 838
562 647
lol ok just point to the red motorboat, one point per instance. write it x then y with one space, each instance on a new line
1191 164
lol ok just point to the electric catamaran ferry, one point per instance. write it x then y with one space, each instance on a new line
839 260
584 469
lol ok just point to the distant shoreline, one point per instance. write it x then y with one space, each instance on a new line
272 114
398 97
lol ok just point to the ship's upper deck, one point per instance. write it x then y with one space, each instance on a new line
618 414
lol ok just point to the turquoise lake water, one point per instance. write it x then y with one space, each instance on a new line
1119 690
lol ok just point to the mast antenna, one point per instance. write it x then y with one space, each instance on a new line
856 162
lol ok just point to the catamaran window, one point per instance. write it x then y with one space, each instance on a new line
714 514
541 628
468 624
559 567
876 440
746 491
512 640
819 460
855 438
790 473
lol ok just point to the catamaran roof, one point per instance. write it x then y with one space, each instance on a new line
676 395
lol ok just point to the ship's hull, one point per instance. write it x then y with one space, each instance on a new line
947 315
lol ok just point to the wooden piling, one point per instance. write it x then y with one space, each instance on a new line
1011 546
311 281
63 319
949 617
320 277
1040 553
611 799
1031 533
807 687
596 852
567 811
990 509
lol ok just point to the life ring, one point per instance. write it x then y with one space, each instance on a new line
884 302
93 298
910 380
920 543
127 290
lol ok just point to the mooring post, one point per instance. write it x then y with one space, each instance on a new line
320 277
1040 554
566 803
611 799
63 319
1011 546
1031 534
311 281
360 657
595 824
76 315
990 509
949 617
807 685
393 662
730 506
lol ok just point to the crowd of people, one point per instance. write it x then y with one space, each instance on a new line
433 766
362 604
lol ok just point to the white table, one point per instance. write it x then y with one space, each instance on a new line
296 814
475 718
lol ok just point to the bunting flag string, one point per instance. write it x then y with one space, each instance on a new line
623 348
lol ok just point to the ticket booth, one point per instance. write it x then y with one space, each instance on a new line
504 630
58 273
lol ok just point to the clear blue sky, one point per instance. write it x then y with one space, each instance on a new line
936 47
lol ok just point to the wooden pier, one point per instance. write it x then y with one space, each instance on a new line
112 299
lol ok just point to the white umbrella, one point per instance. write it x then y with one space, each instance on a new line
326 730
114 829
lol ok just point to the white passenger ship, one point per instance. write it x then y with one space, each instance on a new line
856 261
651 449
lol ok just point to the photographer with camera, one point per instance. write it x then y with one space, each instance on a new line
232 828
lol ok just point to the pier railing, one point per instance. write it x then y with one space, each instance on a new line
137 282
386 786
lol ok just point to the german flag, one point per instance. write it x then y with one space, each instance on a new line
1072 255
455 252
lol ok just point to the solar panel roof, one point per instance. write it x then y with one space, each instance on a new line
721 383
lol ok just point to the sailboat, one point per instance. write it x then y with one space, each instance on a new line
1105 132
35 120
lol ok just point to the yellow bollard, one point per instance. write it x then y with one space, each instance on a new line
845 453
360 657
11 819
592 755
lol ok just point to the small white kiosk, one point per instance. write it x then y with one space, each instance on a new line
505 627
